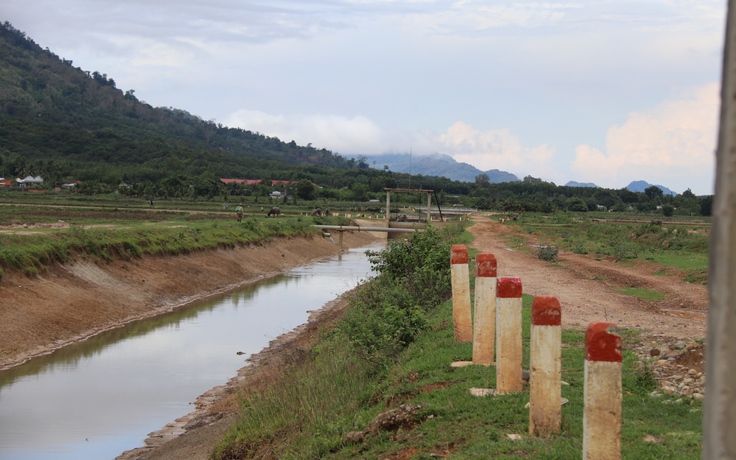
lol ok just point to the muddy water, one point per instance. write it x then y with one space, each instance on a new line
100 397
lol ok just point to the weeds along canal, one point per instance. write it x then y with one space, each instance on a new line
102 396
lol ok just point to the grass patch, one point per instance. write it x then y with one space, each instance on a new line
643 294
32 252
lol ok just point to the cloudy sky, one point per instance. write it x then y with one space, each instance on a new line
604 91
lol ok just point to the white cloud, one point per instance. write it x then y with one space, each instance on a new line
497 149
347 135
672 144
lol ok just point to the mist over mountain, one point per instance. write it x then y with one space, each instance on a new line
437 164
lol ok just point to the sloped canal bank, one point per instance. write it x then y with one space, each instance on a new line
97 398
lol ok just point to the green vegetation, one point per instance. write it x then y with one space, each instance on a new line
643 294
105 233
682 245
368 366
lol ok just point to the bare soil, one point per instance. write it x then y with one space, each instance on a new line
585 286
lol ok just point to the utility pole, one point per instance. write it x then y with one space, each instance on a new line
720 394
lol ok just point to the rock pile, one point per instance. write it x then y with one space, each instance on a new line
679 370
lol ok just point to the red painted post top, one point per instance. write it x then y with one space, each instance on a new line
546 311
486 266
508 288
459 254
602 344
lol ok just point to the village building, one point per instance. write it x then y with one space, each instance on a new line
29 181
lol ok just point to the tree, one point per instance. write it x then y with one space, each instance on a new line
577 204
706 206
668 210
653 192
482 180
532 180
688 194
305 190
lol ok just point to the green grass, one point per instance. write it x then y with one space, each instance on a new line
685 262
310 416
643 294
682 245
33 250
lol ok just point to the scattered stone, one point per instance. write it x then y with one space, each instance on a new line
482 391
679 345
354 437
514 437
651 439
404 416
654 352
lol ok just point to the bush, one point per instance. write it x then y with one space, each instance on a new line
387 314
548 253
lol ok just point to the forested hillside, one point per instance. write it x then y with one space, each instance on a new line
58 120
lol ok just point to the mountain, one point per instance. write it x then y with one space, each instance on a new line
640 186
435 165
572 183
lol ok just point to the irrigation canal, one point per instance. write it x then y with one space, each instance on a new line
98 398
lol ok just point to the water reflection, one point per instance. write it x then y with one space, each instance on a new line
102 396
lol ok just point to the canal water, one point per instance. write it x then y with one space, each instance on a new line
98 398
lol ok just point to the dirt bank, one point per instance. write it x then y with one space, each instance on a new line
74 301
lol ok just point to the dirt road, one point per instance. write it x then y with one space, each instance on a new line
587 287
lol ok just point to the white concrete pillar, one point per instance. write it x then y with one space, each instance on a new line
602 416
388 206
461 294
508 336
429 207
545 367
484 318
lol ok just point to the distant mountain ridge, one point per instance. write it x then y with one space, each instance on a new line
436 164
572 183
640 186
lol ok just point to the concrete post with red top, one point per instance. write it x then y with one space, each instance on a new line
461 293
484 319
508 336
545 367
602 393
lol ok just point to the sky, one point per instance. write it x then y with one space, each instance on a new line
606 91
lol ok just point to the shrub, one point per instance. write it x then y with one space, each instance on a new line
387 314
548 253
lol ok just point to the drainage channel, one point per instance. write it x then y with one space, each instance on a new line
100 397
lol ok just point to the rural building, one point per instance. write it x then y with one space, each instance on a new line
29 181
